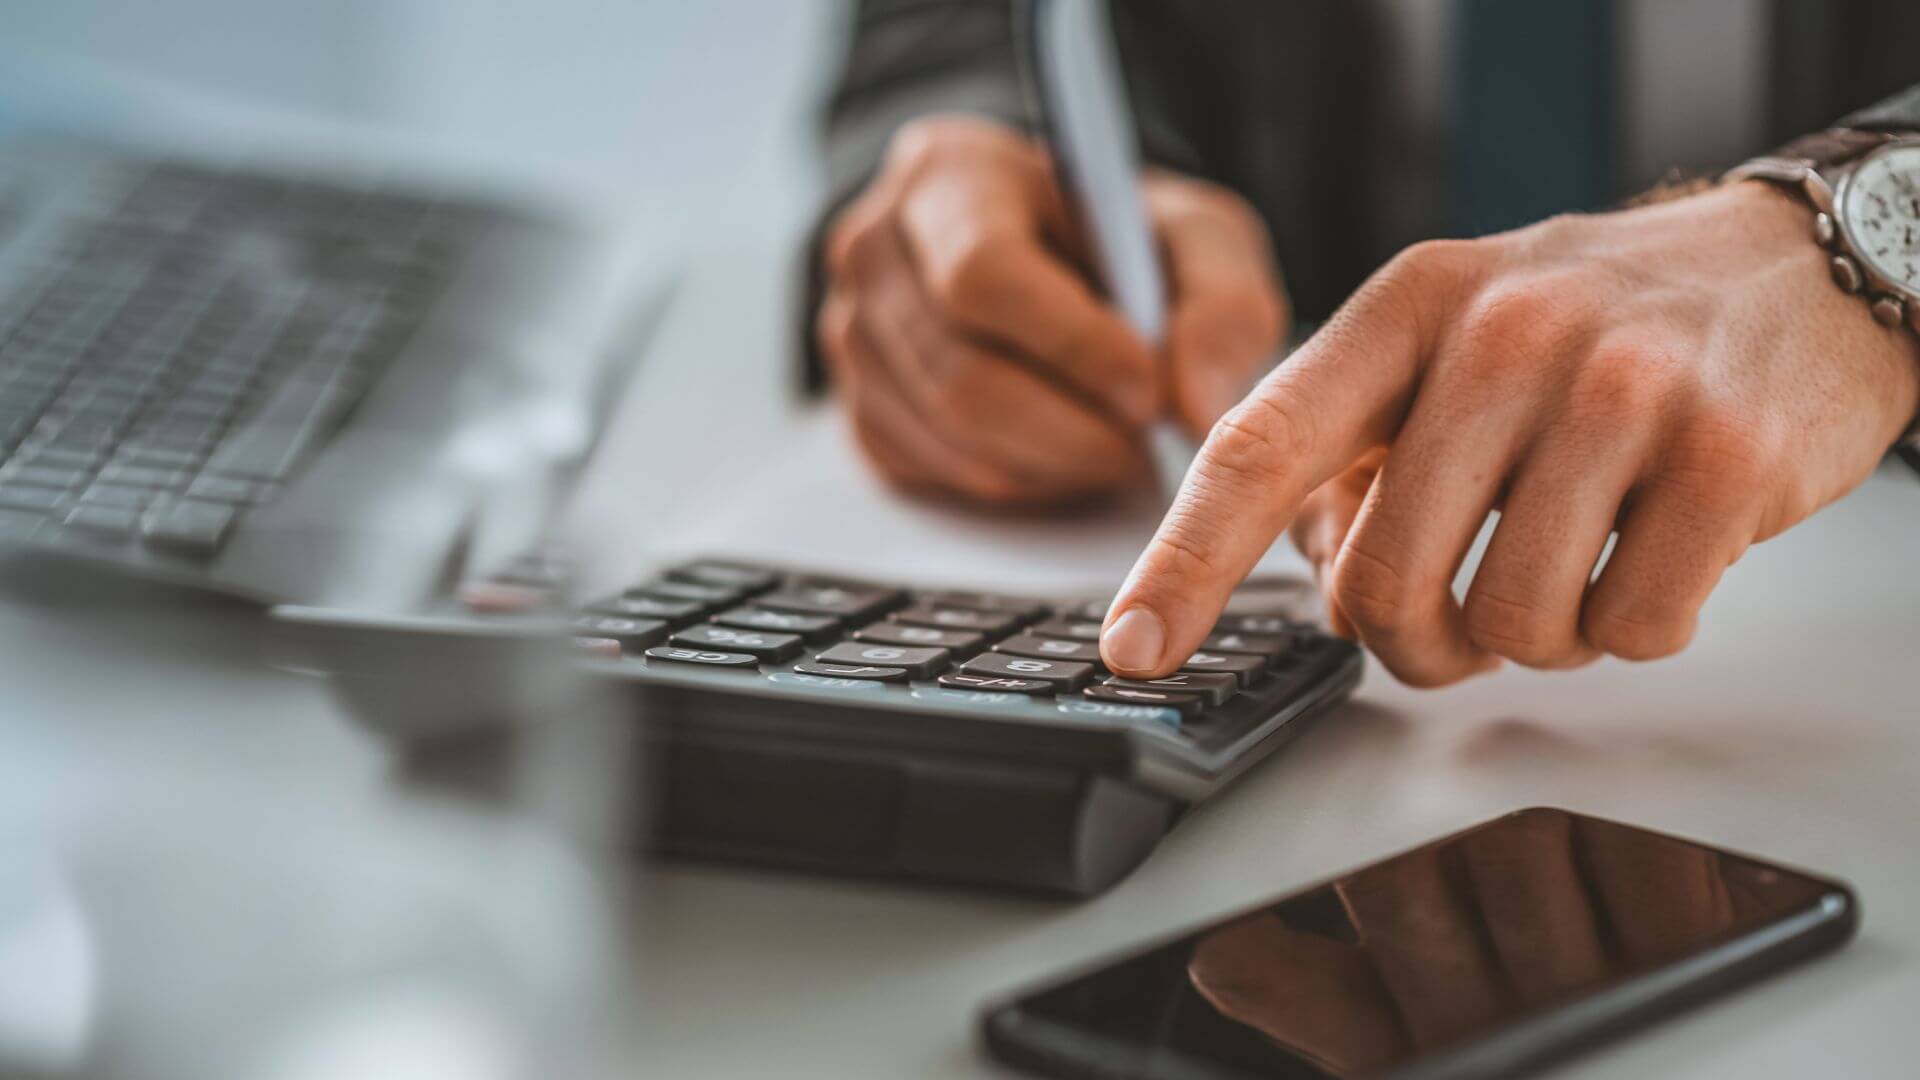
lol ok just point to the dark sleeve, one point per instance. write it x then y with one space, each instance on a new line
1901 112
911 58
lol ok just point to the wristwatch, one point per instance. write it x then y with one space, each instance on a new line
1864 186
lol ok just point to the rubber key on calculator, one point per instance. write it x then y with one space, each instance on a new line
701 656
767 645
920 663
1062 675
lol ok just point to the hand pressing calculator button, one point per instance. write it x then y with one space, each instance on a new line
1062 675
764 644
920 663
1216 689
890 633
701 656
992 623
1046 648
1244 667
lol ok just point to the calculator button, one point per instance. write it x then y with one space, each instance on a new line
1078 629
1244 667
992 623
960 680
189 525
701 656
598 647
726 575
1094 611
765 644
827 598
787 622
920 663
1251 624
676 612
1232 641
1047 648
875 672
1183 703
1214 688
976 601
631 633
889 633
1063 675
709 595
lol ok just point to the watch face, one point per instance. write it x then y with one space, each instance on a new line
1880 212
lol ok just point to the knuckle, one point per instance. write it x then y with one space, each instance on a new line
1718 458
1434 264
1256 439
1617 384
1519 630
972 286
1619 631
1371 590
1513 326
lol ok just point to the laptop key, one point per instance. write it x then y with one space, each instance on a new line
1077 629
188 525
1214 688
960 680
763 644
1061 675
789 622
630 633
891 633
709 657
1046 648
1244 667
1185 704
990 623
875 672
22 497
115 521
917 662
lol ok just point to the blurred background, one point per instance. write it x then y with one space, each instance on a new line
186 891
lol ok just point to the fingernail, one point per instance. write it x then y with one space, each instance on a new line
1135 641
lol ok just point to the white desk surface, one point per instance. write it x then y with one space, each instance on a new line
1788 729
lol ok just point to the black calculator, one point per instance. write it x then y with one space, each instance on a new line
856 727
957 737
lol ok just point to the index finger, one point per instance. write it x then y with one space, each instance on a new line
1344 392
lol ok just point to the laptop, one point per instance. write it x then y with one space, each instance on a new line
286 385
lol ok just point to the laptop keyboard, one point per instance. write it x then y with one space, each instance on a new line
977 647
168 362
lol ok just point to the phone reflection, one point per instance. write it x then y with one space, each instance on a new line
1438 945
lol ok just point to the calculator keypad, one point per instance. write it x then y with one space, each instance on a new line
957 649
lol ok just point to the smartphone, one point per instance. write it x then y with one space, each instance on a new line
1490 952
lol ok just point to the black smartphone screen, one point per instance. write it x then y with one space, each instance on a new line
1450 944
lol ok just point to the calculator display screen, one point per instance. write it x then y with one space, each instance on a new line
1426 950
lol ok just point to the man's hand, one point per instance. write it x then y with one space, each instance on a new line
1683 375
971 353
